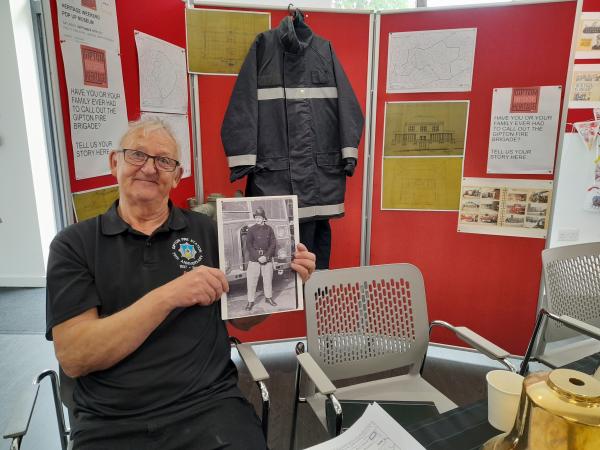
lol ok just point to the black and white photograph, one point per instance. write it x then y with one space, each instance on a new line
257 241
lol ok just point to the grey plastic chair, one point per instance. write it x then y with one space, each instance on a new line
62 391
366 320
568 324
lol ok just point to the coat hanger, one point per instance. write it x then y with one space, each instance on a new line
295 13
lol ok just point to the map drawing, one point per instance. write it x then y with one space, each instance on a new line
431 61
179 125
163 75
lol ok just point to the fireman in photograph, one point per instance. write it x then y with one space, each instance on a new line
261 245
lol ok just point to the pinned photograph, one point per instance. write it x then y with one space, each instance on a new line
513 220
537 210
257 241
489 218
494 205
490 193
471 193
535 222
468 218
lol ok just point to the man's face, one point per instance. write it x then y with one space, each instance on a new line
259 220
146 183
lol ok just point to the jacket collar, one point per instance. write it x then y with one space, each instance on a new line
294 34
112 223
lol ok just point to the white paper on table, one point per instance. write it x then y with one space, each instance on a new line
179 125
97 109
431 61
375 430
163 75
92 22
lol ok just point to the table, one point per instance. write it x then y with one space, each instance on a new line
467 427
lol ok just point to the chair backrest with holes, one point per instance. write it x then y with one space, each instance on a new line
365 320
572 282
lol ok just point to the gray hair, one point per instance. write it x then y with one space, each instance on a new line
148 125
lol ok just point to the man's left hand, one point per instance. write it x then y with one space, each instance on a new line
304 262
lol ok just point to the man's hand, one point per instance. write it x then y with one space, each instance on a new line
304 262
201 286
262 259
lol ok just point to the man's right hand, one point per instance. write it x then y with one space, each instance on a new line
201 286
262 259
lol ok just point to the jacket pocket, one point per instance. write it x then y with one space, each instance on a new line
329 159
267 81
273 164
319 76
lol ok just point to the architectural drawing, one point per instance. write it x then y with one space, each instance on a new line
218 40
425 128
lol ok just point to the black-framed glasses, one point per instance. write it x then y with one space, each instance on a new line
139 158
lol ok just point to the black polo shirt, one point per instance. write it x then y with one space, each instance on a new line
185 362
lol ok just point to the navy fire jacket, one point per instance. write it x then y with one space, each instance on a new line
293 123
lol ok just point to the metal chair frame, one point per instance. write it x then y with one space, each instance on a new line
353 298
18 424
572 301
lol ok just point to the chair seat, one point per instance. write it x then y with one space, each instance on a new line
561 353
400 388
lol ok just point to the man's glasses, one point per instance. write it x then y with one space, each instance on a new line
139 158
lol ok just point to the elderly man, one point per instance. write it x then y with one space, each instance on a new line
132 307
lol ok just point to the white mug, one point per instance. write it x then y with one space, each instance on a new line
504 392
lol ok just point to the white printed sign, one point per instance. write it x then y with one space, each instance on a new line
92 22
97 110
523 130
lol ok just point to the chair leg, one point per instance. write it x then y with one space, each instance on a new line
295 410
299 349
266 406
338 414
60 418
538 324
16 443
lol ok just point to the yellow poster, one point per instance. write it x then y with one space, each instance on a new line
425 128
421 183
218 40
94 202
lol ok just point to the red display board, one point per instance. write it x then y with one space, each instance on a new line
349 36
488 283
163 19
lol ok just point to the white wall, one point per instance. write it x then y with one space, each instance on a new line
22 245
571 224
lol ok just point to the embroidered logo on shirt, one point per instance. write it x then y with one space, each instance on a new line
187 252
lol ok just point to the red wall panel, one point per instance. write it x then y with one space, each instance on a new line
349 35
489 283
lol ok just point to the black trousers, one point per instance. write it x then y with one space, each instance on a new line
316 235
229 423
